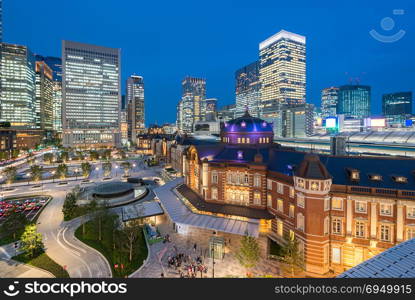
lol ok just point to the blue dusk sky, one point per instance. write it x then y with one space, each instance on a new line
167 40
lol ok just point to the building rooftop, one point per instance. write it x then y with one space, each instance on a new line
396 262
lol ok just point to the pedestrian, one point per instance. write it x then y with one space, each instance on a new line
194 247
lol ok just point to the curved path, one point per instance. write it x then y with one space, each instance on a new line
80 260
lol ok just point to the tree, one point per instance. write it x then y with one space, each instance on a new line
65 156
292 257
48 157
127 167
10 173
62 171
248 253
86 169
36 172
14 222
80 155
93 155
131 232
107 167
31 240
107 154
69 206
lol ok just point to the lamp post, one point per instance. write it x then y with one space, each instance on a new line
213 262
53 176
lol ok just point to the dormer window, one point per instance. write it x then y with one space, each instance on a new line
375 177
400 179
240 155
354 174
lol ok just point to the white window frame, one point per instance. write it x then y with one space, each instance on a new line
341 202
357 230
280 188
291 210
300 200
300 221
326 226
408 210
257 180
280 205
382 232
214 192
336 255
382 211
269 184
327 203
215 177
356 205
333 221
257 200
292 192
269 200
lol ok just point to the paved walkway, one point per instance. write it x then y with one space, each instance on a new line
13 269
227 267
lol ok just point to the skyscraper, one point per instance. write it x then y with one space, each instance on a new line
1 21
91 95
135 104
44 96
354 101
55 63
397 104
192 103
17 104
329 99
282 70
247 90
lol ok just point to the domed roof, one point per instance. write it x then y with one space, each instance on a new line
247 123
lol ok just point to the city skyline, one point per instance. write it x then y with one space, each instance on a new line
148 56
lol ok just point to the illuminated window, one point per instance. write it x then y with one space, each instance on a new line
300 183
336 226
410 233
400 179
246 179
292 193
300 221
410 212
257 198
292 235
280 228
280 205
269 200
336 255
326 229
314 186
360 229
385 233
337 203
386 209
247 140
326 203
360 207
214 193
239 140
291 211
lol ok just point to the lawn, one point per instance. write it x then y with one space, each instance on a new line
43 261
114 246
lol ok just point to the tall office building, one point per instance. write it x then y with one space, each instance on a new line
329 99
135 104
91 95
294 121
1 21
354 101
191 106
247 90
55 63
17 100
209 109
44 96
397 104
282 71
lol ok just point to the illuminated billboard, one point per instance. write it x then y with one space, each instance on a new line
331 123
381 122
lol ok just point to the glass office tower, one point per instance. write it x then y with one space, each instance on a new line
135 104
91 95
282 70
44 96
329 99
247 90
17 104
354 101
397 104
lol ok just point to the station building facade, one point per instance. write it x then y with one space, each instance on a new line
342 210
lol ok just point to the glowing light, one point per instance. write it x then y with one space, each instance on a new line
243 124
240 154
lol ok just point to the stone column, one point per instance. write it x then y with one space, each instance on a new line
373 219
349 217
399 223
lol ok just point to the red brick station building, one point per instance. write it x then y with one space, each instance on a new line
342 210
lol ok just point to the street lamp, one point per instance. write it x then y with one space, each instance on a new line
213 261
76 173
